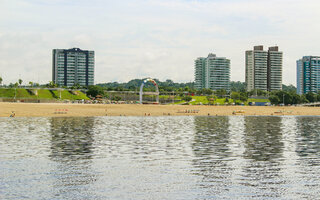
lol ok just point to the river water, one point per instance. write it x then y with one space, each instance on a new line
235 157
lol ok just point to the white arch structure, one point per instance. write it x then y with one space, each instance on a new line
149 93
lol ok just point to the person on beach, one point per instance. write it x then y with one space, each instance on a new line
13 114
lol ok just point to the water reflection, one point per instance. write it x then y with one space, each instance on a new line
71 138
72 150
308 137
210 147
263 138
264 150
236 157
308 150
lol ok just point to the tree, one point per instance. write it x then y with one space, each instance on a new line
30 83
116 98
261 93
274 99
238 86
221 92
257 92
303 99
51 84
1 80
289 88
187 98
235 96
296 99
204 91
20 81
318 96
311 97
94 90
243 96
76 86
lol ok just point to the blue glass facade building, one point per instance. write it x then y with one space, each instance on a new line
212 72
308 74
72 66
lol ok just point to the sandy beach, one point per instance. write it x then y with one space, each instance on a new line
69 110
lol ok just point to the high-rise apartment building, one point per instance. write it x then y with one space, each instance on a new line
256 68
308 74
212 73
264 69
274 69
199 73
72 66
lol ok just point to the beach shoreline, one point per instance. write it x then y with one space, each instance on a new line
88 110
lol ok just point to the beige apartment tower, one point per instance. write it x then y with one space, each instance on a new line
264 69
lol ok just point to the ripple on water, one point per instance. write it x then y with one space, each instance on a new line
232 157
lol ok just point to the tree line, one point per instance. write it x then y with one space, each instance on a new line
134 85
237 91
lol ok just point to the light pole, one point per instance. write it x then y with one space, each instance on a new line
173 97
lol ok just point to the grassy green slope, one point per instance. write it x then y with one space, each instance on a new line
67 95
42 94
7 93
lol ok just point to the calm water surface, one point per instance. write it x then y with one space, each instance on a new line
232 157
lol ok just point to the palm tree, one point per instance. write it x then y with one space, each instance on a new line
20 82
15 90
51 84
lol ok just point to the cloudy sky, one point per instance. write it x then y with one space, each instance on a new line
152 38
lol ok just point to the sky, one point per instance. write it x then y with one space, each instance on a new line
152 38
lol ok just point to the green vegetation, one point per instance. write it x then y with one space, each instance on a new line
95 90
237 94
205 100
65 94
199 99
42 94
220 101
183 93
179 102
187 98
6 92
291 97
237 86
289 88
134 85
258 100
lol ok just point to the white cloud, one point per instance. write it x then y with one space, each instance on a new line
160 39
